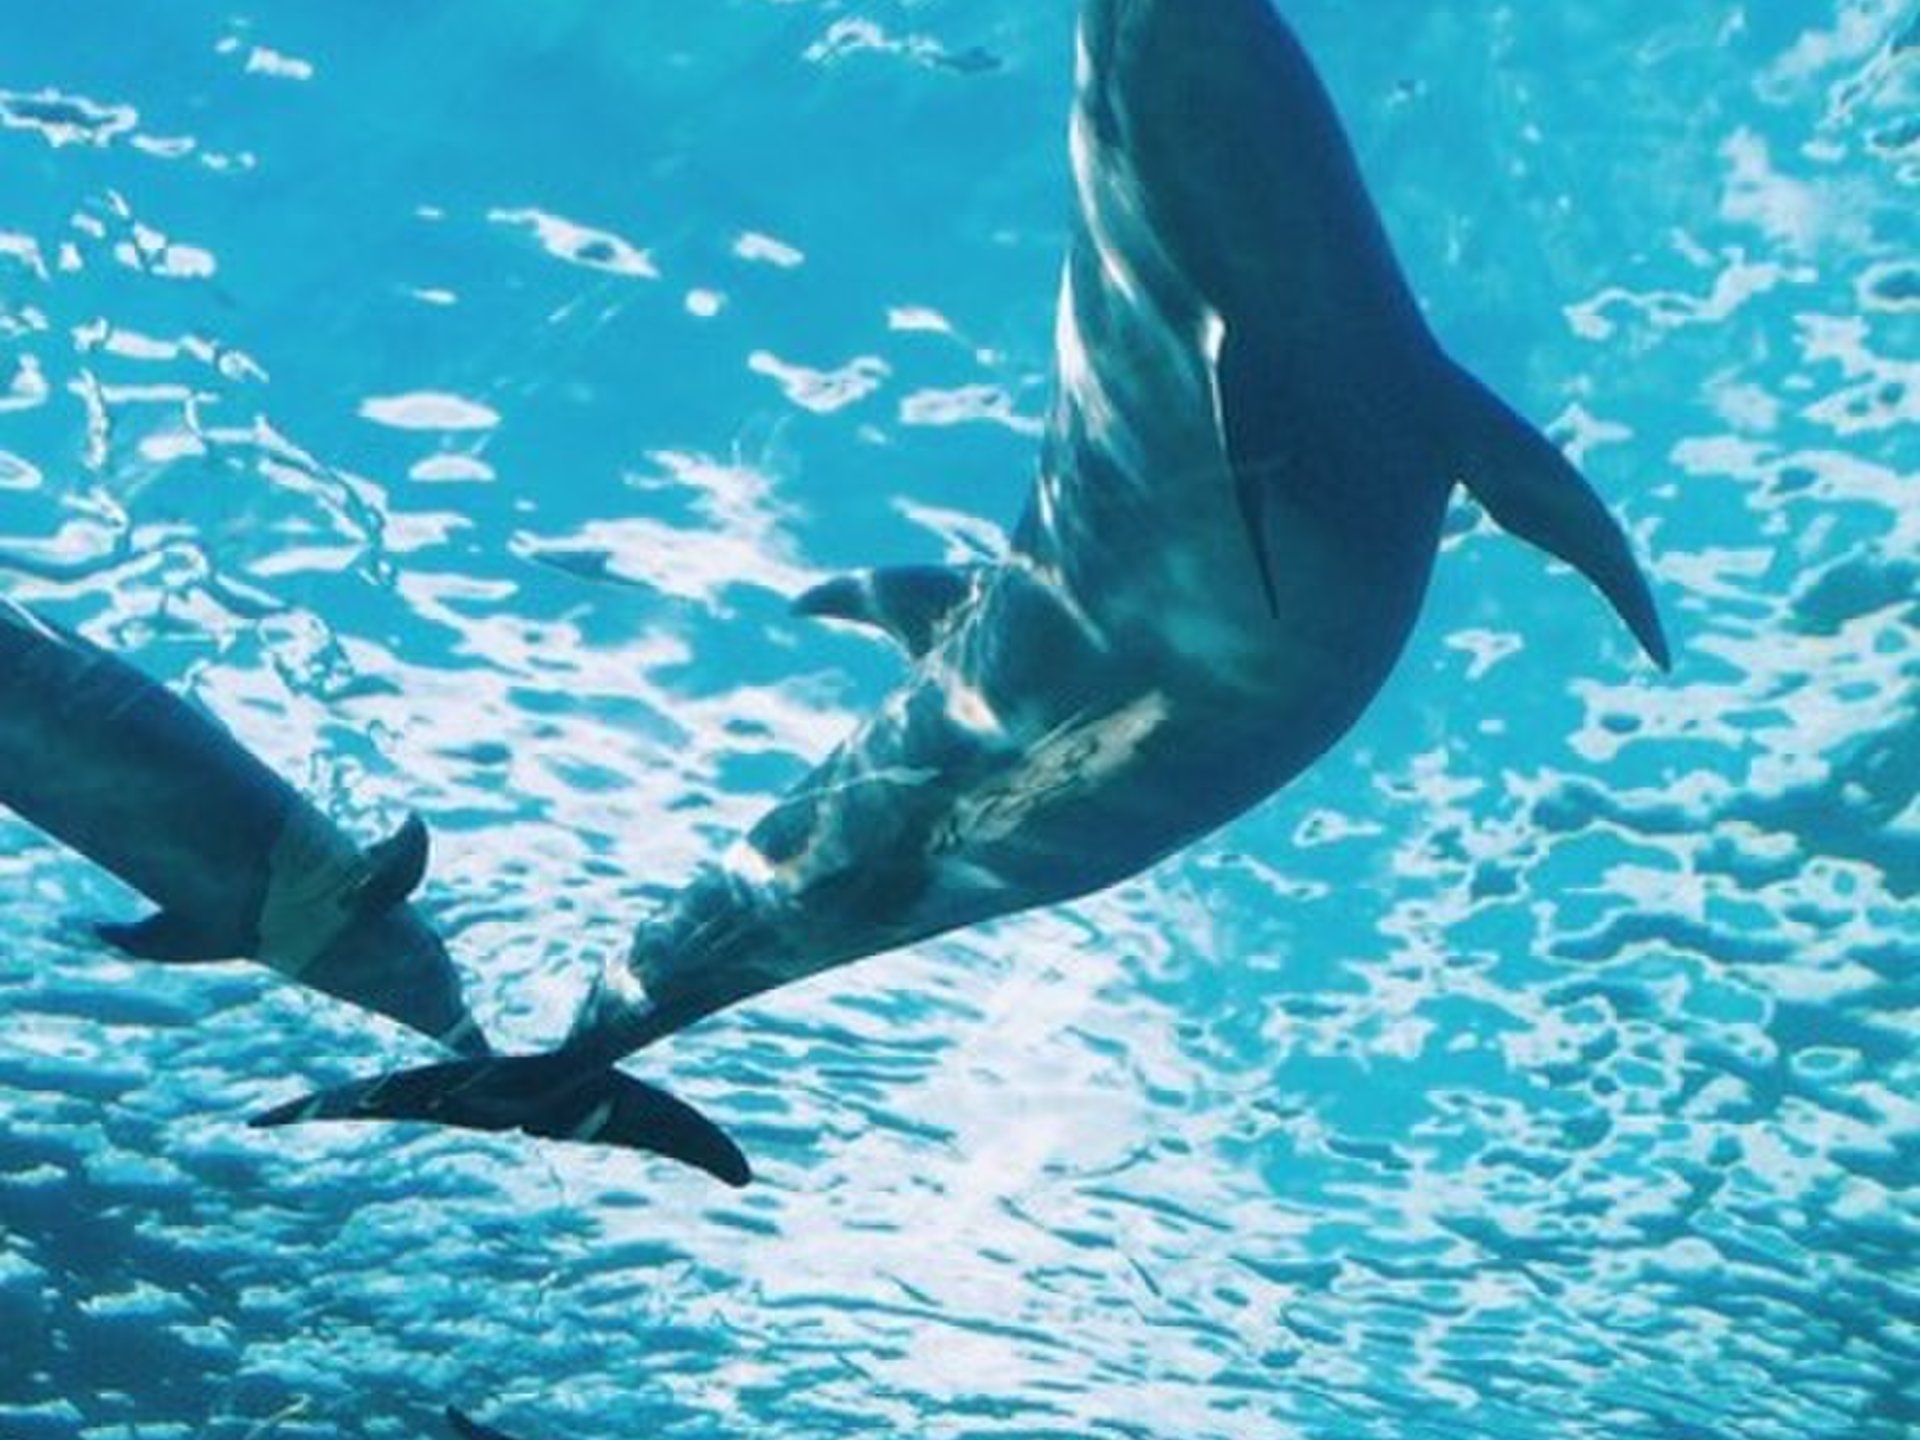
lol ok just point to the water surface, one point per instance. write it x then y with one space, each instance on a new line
450 397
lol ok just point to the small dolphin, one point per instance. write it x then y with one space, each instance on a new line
118 767
1252 441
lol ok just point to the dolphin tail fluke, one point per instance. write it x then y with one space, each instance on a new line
468 1428
555 1096
1534 491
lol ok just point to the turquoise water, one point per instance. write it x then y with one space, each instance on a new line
450 397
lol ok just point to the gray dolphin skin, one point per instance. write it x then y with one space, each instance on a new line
113 764
1252 442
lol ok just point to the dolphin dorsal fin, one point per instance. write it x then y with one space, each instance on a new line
915 604
394 868
1533 491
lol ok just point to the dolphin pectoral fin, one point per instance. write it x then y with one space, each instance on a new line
395 868
550 1096
1533 491
170 938
1254 443
915 604
468 1428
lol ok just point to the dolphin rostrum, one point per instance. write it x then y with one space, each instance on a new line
115 765
1252 441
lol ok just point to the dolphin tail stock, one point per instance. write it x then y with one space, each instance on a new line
557 1095
1533 491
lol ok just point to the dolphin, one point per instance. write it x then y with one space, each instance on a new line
115 765
1252 439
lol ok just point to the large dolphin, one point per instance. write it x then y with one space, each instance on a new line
114 764
1252 442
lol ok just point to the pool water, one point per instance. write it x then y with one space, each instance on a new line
451 398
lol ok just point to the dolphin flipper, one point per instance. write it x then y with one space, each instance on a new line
468 1428
1533 491
550 1096
915 604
